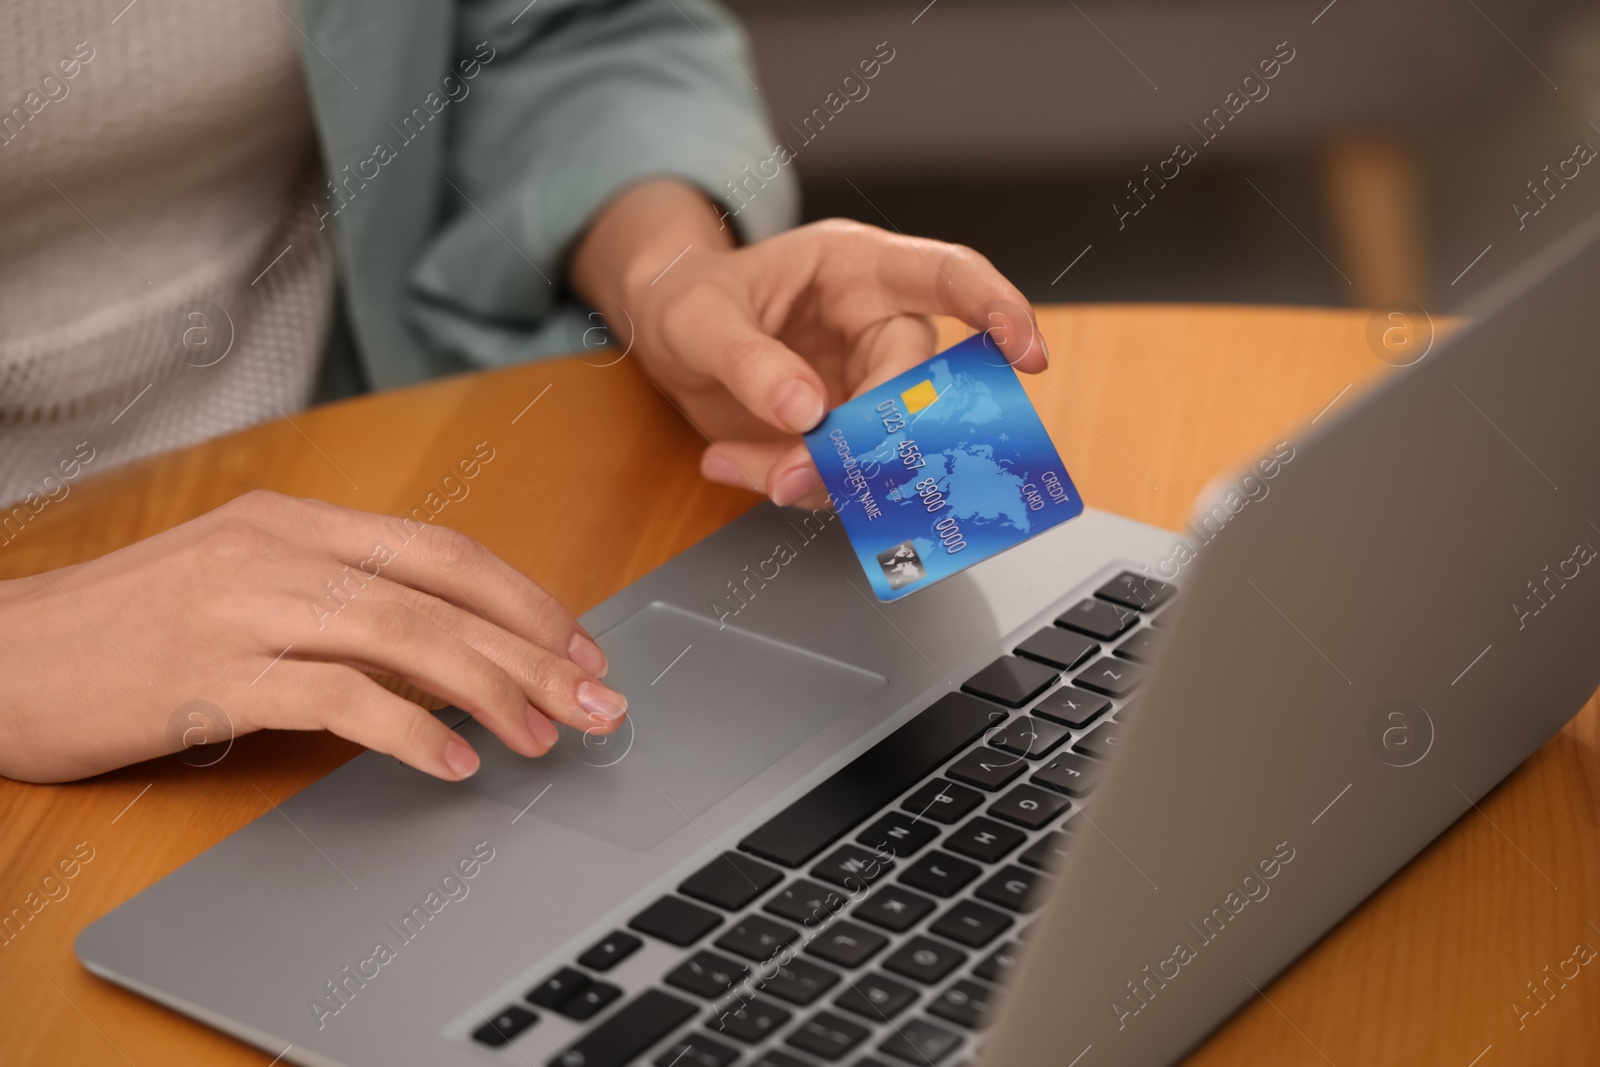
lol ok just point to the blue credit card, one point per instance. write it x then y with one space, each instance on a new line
940 468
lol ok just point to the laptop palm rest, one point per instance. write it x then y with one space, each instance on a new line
709 709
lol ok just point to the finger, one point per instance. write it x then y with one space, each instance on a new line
741 464
535 668
385 636
793 481
711 332
435 559
782 469
933 278
749 464
455 568
307 695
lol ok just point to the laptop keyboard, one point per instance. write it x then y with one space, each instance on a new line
873 919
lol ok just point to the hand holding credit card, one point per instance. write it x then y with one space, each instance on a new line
941 467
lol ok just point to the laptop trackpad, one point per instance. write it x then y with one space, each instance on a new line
708 710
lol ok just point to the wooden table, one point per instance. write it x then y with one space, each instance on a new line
1146 403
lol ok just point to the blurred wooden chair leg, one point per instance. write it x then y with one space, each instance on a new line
1373 189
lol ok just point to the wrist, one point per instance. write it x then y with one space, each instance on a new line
642 236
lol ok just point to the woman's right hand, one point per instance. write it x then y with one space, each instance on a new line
272 607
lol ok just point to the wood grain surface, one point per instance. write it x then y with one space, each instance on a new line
595 482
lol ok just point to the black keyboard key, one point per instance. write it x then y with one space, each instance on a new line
893 908
966 1003
876 996
609 951
706 974
731 881
504 1027
1011 681
898 833
921 1043
676 921
984 839
1068 773
846 943
774 1057
1141 646
624 1036
1029 806
998 965
925 960
1102 743
1139 591
852 867
1113 677
552 991
1072 707
986 768
1098 619
751 1021
939 873
799 982
872 780
807 903
1015 888
1028 736
942 801
1046 852
589 1001
1058 648
756 937
827 1035
970 923
697 1050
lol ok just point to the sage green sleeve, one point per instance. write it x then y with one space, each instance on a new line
574 101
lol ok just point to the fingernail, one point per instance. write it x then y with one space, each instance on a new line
460 758
795 485
797 405
586 654
601 702
1043 347
542 729
719 468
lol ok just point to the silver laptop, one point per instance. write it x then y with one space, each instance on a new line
1071 807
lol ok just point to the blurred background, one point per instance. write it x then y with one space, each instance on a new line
1385 161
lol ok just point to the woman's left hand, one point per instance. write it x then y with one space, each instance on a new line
755 344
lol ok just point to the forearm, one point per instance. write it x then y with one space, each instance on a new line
641 235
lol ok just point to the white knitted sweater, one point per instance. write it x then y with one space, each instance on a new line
162 276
